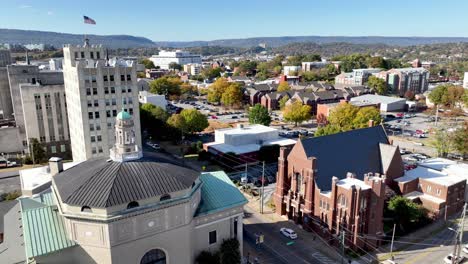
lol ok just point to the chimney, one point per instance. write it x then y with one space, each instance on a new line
55 165
371 123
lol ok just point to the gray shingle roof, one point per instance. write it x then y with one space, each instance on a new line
355 151
101 183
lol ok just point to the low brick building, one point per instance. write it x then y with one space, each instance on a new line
337 183
439 185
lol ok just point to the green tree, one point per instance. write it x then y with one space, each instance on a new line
148 64
229 252
364 115
175 66
378 85
465 98
149 112
166 85
232 95
259 115
455 95
459 139
211 73
247 67
282 102
405 212
296 112
343 116
283 86
178 122
441 142
439 96
376 62
37 150
194 120
327 130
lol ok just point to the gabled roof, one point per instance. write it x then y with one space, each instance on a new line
102 183
356 151
218 193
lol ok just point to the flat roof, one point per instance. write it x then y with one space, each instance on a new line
247 148
436 163
348 183
414 195
252 129
35 177
435 176
374 98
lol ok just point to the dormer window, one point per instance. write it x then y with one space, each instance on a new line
165 197
132 205
86 209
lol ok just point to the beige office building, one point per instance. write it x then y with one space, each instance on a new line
97 88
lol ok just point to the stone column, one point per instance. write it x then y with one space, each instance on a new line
240 234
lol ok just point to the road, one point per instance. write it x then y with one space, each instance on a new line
433 249
306 249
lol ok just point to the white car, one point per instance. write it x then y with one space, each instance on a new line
448 259
289 233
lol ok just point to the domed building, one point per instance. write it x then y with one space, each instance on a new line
129 208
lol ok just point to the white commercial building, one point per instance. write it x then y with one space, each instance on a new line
193 68
97 89
146 97
56 64
387 103
291 70
164 58
246 139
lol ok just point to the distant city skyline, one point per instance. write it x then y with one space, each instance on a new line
211 20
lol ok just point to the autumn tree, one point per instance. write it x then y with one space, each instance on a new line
327 130
459 139
343 116
441 142
232 95
282 102
259 115
409 95
217 89
296 112
378 85
194 120
364 115
283 86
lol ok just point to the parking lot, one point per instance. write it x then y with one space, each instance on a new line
213 112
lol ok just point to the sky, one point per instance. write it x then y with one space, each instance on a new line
184 20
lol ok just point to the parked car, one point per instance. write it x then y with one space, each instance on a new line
404 151
450 259
234 117
455 156
289 233
214 117
410 158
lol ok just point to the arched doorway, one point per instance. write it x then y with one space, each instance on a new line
154 256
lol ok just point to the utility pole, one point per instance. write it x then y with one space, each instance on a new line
393 238
436 115
263 188
460 241
343 234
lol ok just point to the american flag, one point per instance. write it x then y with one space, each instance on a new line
89 20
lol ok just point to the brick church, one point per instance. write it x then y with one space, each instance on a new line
337 183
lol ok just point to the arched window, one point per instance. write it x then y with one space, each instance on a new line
154 256
342 200
86 209
165 197
132 205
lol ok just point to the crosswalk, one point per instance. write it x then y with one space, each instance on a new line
323 259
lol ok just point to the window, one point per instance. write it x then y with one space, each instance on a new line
96 103
114 101
91 54
124 100
93 78
130 100
62 148
112 90
98 127
90 104
94 91
96 115
108 113
93 139
130 111
154 256
428 188
105 78
124 89
122 77
90 115
109 125
100 149
107 102
106 90
53 149
129 77
342 200
129 90
91 127
99 138
88 91
111 78
132 205
438 191
321 204
93 150
212 237
86 209
298 183
76 54
98 55
165 197
114 112
82 54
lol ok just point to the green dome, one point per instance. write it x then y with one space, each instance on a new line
123 115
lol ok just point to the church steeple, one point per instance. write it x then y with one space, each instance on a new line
125 147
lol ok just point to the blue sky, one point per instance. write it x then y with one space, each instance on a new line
207 19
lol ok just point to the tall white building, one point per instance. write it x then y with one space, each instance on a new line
97 89
164 58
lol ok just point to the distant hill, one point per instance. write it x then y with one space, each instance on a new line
281 41
16 36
